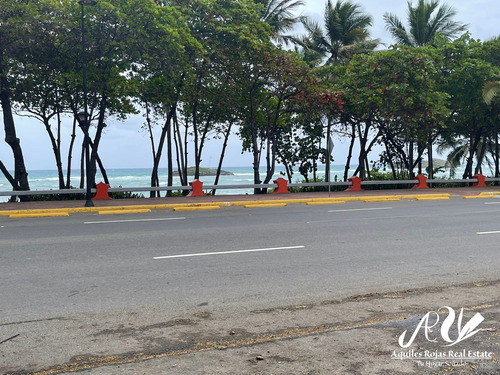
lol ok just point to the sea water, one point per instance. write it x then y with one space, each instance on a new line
141 177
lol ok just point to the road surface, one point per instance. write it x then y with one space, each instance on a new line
236 259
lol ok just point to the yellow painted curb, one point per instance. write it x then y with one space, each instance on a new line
244 203
120 212
112 208
197 208
478 196
270 201
351 199
382 200
415 196
215 205
381 197
41 214
432 198
324 203
265 205
287 201
39 211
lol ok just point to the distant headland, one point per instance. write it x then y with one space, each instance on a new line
208 172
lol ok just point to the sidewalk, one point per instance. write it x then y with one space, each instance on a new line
454 193
356 335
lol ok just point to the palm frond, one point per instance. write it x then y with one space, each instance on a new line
490 90
397 29
425 20
280 16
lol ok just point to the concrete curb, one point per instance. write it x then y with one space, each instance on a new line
196 206
41 214
120 212
283 204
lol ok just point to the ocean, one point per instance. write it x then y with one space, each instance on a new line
141 177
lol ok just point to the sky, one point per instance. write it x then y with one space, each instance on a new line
124 145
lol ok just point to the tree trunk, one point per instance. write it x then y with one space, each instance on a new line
170 161
57 152
389 157
103 170
480 157
179 150
70 155
367 168
156 161
155 181
430 159
197 156
362 151
222 154
82 168
328 151
20 173
470 160
497 156
97 139
7 175
186 158
410 160
349 154
255 147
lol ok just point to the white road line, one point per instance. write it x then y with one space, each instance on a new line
133 220
492 203
493 232
229 252
362 209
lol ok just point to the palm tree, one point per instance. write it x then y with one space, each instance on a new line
279 15
425 20
345 33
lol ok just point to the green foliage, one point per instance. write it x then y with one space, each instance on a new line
344 34
125 195
426 21
56 197
199 67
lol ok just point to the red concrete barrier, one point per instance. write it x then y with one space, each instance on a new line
356 184
422 182
197 191
481 180
102 191
282 186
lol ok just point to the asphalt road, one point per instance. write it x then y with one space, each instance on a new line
53 267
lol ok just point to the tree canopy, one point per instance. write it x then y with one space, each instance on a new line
210 69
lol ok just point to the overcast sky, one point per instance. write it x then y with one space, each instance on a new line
482 16
125 146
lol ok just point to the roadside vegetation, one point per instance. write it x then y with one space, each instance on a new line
209 69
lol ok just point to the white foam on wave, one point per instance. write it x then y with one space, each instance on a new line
43 179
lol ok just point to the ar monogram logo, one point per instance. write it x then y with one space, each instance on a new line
464 332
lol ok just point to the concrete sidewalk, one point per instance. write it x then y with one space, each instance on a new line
231 199
357 335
